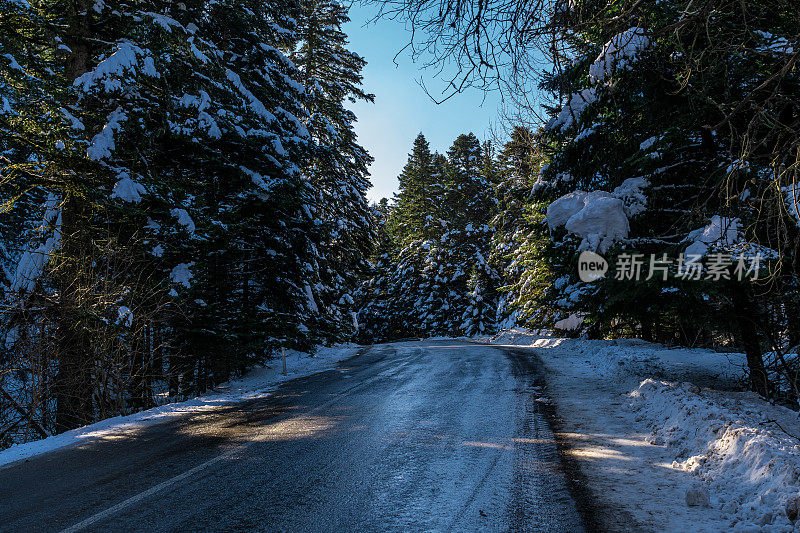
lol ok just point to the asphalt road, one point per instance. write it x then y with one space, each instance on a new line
415 436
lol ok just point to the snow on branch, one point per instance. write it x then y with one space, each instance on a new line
32 262
600 218
103 143
573 109
618 53
254 103
127 59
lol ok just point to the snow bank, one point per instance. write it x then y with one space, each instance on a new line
258 383
664 440
734 447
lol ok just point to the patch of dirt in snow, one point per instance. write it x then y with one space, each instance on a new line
645 440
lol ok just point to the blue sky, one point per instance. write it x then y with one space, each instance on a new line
401 110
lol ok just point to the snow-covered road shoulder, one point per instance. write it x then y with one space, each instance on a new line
663 436
257 383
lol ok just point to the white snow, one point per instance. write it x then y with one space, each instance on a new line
793 201
311 303
572 322
598 217
630 192
74 122
655 429
12 63
110 71
125 316
600 223
182 274
128 190
647 143
774 43
573 109
103 143
262 182
197 52
253 102
721 232
183 219
258 383
33 260
561 210
618 53
166 23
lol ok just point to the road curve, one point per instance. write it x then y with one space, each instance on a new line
413 436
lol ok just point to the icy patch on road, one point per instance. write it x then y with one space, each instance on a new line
257 383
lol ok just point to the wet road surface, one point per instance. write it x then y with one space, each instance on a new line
413 436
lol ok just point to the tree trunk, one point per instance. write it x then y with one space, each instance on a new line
73 384
746 315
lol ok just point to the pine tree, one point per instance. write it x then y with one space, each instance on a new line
168 148
438 280
517 230
421 185
639 132
337 171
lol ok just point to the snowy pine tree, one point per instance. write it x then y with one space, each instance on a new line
169 146
336 173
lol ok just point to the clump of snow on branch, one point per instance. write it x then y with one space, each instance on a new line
165 22
103 143
721 232
573 109
182 274
128 190
125 316
253 102
127 59
772 43
618 53
76 124
572 322
184 219
31 263
792 193
600 218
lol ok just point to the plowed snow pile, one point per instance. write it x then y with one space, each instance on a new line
733 447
